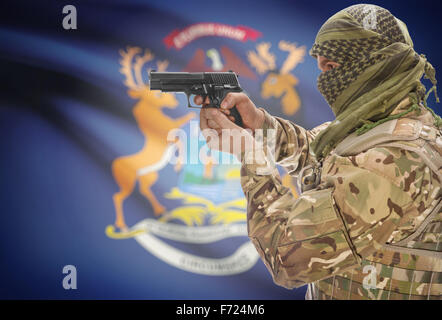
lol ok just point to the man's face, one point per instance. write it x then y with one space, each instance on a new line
325 64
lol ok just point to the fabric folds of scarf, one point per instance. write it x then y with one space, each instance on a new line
378 69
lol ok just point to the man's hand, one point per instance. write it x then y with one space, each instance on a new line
224 135
252 117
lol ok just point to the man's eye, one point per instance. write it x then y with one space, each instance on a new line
332 66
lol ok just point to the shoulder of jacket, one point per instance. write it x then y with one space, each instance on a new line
394 130
398 139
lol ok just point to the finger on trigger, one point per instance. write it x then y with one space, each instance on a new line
198 100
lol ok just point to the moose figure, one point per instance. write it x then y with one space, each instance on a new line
143 166
279 82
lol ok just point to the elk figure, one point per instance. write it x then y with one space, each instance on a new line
143 166
279 82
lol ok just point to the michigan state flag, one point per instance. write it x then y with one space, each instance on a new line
97 201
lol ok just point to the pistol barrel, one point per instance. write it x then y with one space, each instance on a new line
168 81
179 81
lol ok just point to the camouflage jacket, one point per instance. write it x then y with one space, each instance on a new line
328 236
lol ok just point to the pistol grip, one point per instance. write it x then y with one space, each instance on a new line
238 120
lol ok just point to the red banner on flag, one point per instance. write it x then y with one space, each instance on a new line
178 39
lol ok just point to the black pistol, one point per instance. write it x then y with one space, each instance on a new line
215 85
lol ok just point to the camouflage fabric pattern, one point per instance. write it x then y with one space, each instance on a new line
328 235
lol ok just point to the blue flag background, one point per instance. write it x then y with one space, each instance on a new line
76 135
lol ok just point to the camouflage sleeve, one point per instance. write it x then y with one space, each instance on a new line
291 142
329 230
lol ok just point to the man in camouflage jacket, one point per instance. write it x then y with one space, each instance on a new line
368 222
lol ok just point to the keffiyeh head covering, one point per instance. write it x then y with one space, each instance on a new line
378 69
